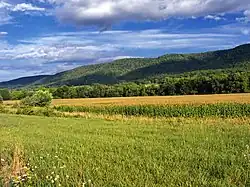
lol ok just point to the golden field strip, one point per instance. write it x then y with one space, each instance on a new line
158 100
154 100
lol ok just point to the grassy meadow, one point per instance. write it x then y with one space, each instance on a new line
151 141
170 152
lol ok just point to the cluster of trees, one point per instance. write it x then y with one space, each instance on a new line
213 84
232 83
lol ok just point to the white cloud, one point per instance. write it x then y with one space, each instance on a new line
3 33
8 7
107 12
246 17
26 7
214 17
245 31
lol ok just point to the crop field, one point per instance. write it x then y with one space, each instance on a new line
144 141
172 152
165 100
154 100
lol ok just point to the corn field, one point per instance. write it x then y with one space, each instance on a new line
218 110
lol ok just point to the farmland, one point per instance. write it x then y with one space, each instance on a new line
143 141
154 100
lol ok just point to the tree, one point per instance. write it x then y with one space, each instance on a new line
5 93
40 98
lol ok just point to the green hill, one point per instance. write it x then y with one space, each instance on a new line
135 69
22 82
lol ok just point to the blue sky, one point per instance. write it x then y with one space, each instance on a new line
49 36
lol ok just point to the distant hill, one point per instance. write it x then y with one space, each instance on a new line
22 82
134 69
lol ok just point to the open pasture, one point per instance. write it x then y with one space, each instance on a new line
170 152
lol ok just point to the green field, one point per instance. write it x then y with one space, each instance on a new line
129 152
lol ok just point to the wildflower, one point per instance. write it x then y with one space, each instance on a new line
2 160
47 177
62 167
52 181
56 156
67 176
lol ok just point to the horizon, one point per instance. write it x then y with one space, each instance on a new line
47 37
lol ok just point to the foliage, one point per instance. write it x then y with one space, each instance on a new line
30 111
40 98
209 83
5 93
1 99
213 84
20 94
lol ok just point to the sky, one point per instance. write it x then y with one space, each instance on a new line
50 36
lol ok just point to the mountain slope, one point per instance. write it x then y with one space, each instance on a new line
21 82
141 69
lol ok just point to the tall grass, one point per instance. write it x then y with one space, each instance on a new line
175 152
219 110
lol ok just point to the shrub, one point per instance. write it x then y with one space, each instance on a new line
1 99
40 98
5 93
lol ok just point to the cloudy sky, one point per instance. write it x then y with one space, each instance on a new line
49 36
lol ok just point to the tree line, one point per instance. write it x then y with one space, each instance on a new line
213 84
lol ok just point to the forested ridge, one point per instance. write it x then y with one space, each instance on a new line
145 69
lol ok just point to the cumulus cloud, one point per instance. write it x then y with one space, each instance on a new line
8 7
107 12
26 7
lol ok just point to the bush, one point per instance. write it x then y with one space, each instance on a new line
5 93
40 98
1 99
